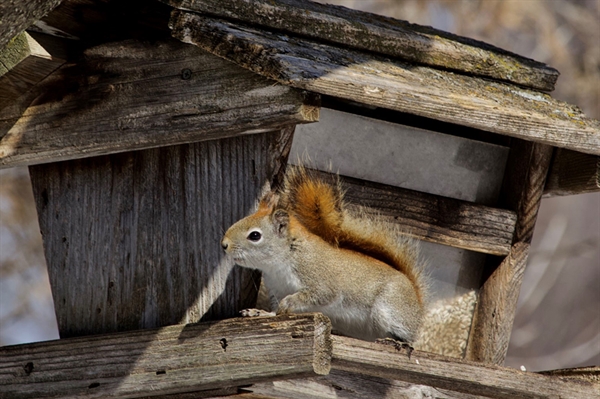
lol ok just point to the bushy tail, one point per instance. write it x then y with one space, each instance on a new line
317 202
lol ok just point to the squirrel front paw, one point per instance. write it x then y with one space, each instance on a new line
255 313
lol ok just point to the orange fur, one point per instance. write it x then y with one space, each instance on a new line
320 207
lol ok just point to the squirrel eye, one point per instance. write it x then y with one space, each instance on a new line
254 236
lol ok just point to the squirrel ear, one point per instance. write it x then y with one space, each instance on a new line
281 220
268 201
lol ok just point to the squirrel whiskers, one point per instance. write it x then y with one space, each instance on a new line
317 256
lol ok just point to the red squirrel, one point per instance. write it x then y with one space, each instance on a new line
317 257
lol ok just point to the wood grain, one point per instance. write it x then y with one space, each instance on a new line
175 359
132 240
572 173
135 95
376 81
365 31
17 15
441 372
432 217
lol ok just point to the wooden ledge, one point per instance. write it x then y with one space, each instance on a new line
175 359
367 358
216 357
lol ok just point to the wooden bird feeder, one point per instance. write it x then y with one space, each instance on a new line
149 127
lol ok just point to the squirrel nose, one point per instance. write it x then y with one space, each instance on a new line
224 244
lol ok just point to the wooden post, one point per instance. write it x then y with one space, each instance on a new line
526 172
132 240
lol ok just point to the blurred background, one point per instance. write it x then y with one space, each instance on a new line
558 317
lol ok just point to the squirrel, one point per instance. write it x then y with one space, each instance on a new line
315 256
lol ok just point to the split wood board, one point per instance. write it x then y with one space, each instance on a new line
377 81
131 95
169 360
388 36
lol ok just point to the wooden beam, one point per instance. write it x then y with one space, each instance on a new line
434 218
495 308
379 361
132 240
169 360
24 63
365 31
525 176
17 15
573 173
369 79
131 95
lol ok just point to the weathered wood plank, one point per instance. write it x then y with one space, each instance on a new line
17 15
495 308
524 180
24 63
365 31
432 217
131 95
573 173
132 240
169 360
369 79
441 372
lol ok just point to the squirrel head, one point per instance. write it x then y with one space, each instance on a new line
258 239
